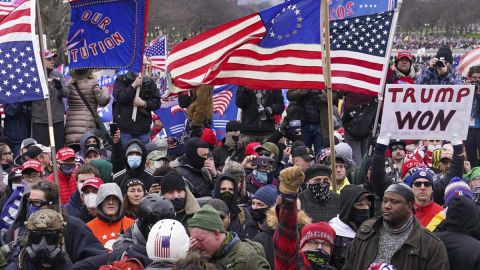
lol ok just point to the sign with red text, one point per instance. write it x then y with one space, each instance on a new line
428 112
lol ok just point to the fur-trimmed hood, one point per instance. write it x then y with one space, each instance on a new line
272 220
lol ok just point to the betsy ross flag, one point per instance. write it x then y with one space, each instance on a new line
470 59
157 52
21 72
280 48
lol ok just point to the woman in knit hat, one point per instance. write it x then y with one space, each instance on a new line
135 193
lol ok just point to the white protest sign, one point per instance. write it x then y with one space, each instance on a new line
426 112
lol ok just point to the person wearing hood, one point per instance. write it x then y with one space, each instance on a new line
197 167
234 168
148 100
110 220
356 206
152 209
173 187
462 235
226 189
57 89
66 174
232 147
90 141
134 159
318 201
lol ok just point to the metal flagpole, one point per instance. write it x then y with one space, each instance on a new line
385 71
325 38
47 96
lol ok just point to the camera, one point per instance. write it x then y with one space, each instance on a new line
262 113
440 64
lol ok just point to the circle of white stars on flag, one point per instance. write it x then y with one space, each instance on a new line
287 11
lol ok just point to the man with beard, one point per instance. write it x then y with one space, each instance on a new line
232 147
6 158
356 206
174 189
396 238
45 243
393 166
197 168
318 201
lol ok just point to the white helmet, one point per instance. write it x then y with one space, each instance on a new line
167 241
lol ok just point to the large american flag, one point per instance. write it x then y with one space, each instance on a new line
21 70
7 6
280 48
470 59
157 52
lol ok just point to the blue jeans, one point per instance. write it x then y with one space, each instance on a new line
126 137
312 136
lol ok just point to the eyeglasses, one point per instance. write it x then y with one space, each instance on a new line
33 177
318 243
397 147
424 183
39 203
51 237
264 153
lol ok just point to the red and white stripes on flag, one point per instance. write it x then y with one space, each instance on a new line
162 246
221 101
470 59
6 7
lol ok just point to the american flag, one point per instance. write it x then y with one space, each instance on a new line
7 6
470 59
21 71
280 48
157 53
162 246
221 101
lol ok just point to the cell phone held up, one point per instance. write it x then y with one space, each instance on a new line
113 129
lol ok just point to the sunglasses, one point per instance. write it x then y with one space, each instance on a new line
424 183
39 203
397 147
51 237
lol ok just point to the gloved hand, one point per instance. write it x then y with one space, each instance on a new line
57 83
291 179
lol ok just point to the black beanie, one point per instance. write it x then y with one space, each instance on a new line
234 126
172 181
446 54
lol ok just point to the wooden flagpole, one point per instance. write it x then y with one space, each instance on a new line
325 40
51 134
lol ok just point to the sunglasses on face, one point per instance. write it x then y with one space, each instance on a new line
397 147
39 203
51 237
424 183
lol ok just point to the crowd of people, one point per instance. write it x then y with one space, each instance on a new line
417 41
264 197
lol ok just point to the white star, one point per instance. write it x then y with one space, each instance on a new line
112 234
387 23
24 64
28 49
361 38
22 54
385 32
335 24
366 43
1 61
368 19
344 41
338 45
35 79
370 50
17 70
8 93
14 49
37 90
381 51
29 85
349 46
20 80
355 42
12 76
14 87
297 12
26 75
30 59
15 60
5 82
367 34
294 6
104 237
22 92
357 20
361 6
376 46
3 72
32 69
360 47
272 34
346 22
372 40
7 55
383 42
9 66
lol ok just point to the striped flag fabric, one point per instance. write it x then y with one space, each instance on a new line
7 6
157 52
470 59
162 246
280 48
21 71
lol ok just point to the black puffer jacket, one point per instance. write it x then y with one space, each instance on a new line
304 105
272 102
124 94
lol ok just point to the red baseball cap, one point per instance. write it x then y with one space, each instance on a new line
250 148
32 164
48 54
412 163
404 53
94 182
65 153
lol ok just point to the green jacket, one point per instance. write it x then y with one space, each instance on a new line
242 256
421 251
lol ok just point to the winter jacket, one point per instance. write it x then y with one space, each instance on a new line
239 255
66 184
200 109
79 119
76 208
379 181
222 152
272 101
323 211
122 177
305 105
191 207
344 228
39 108
27 264
421 250
429 76
461 237
17 121
395 76
267 229
104 227
425 213
124 93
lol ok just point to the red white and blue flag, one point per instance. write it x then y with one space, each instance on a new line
7 6
21 71
162 246
157 53
280 48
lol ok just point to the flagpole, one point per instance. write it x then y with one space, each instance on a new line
325 30
51 134
384 77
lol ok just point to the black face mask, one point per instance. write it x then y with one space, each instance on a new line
92 145
320 191
67 169
359 216
178 204
43 247
259 214
318 258
227 197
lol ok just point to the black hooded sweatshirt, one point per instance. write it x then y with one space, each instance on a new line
122 177
462 235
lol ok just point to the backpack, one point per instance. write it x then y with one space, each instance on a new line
124 263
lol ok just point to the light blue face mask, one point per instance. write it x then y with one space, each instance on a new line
134 161
262 177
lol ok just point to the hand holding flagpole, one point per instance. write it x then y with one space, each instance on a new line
137 84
